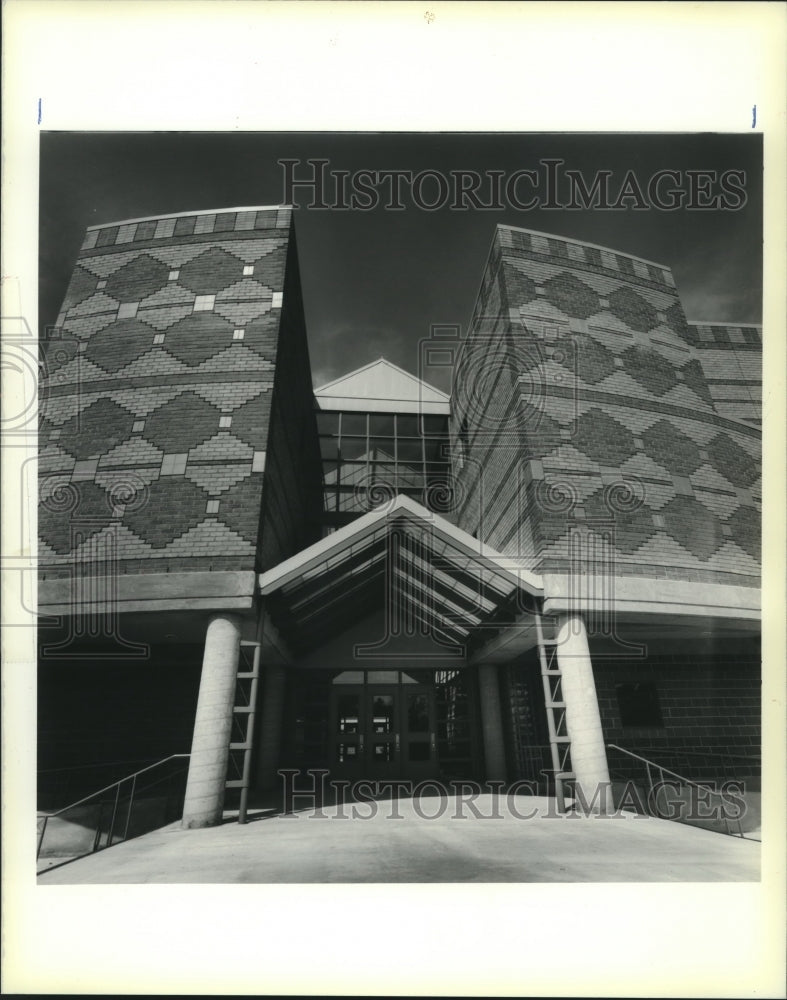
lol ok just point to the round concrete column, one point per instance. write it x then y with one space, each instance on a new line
588 755
213 724
491 723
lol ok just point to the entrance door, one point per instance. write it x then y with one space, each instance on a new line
383 731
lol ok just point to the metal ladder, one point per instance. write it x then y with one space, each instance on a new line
243 716
559 740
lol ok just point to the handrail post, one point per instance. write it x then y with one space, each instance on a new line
97 838
111 833
650 787
661 786
41 838
130 805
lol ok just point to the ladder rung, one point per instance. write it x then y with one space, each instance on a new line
553 673
245 745
556 704
562 739
247 676
235 783
243 709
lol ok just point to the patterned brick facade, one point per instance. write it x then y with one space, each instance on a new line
731 359
589 421
164 404
583 400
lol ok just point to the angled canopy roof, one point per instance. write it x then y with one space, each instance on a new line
381 385
429 572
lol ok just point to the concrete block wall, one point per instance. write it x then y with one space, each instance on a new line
602 419
158 388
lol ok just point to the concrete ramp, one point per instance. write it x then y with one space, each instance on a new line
491 838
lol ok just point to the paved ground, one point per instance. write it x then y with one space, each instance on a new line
498 847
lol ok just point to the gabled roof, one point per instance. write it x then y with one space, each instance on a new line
381 385
430 571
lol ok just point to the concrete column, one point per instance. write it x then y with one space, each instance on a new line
491 722
588 754
270 726
213 724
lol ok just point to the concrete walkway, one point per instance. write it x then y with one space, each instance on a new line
399 843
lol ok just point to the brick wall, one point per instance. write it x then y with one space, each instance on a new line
731 359
158 390
709 698
582 402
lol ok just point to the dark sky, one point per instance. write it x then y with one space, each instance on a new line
374 281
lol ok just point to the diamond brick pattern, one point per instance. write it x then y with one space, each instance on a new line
118 345
676 320
670 447
210 272
245 289
182 424
97 429
594 361
137 279
110 373
572 296
81 287
694 378
603 439
731 461
631 308
175 504
631 528
250 422
214 479
91 513
746 530
57 353
197 337
540 432
260 335
652 371
521 288
240 507
132 453
693 526
272 267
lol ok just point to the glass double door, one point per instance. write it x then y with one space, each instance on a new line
383 731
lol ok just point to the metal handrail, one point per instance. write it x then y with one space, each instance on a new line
686 781
108 788
710 753
689 752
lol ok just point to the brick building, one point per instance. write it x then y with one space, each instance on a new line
562 555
